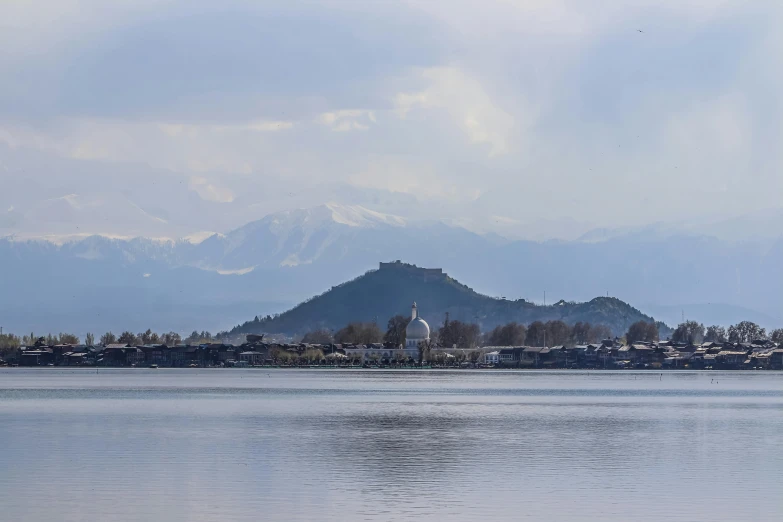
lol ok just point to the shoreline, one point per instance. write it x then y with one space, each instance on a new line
114 369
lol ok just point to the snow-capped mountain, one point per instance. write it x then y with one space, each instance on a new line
291 238
282 258
291 255
285 238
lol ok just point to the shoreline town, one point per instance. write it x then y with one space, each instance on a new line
416 352
607 355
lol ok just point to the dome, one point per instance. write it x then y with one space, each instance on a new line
417 329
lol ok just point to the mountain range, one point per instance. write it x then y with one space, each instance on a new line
100 282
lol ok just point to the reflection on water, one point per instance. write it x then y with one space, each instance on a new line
322 445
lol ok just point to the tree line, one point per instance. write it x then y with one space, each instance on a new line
9 343
538 333
692 332
550 333
465 334
150 337
450 333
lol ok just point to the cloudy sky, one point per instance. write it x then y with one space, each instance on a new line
171 116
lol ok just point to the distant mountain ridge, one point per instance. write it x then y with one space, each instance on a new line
287 256
380 294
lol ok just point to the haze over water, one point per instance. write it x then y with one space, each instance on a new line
389 445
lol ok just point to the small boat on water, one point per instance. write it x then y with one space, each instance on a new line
154 366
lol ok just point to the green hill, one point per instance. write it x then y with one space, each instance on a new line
390 290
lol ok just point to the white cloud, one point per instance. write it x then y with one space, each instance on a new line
467 103
347 120
183 147
712 139
410 176
209 191
179 129
558 104
718 125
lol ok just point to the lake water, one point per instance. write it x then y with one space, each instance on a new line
182 445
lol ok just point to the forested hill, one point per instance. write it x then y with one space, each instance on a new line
390 290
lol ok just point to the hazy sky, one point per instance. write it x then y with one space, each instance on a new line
611 113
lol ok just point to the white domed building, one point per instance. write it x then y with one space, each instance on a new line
418 331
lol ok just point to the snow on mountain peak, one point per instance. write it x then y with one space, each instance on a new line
358 216
323 215
302 235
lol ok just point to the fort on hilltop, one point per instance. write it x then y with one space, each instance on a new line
399 265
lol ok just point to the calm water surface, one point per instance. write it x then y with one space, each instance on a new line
181 445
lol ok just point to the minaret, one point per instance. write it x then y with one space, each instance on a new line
414 311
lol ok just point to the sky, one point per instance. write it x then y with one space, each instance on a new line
169 117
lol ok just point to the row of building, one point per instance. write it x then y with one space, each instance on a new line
608 354
123 355
417 349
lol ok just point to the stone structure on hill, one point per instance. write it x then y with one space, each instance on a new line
413 269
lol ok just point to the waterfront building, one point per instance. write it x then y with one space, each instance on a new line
492 357
416 333
251 357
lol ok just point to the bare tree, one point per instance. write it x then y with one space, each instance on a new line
580 333
424 348
511 334
171 339
9 343
557 333
395 330
641 331
459 334
359 333
745 332
322 336
598 333
128 338
149 337
66 338
312 356
536 334
689 332
716 334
